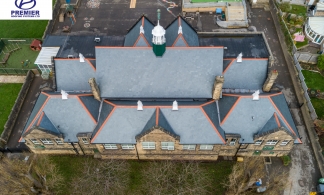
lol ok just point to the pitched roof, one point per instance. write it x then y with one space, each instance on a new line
190 122
73 75
248 74
188 36
134 37
69 117
180 73
274 124
247 117
45 123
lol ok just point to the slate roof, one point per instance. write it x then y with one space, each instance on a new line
195 124
241 115
180 73
188 37
69 117
135 38
73 45
73 75
251 45
45 123
248 74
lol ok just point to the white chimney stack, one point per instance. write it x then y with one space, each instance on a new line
64 95
256 95
239 58
139 105
81 57
175 105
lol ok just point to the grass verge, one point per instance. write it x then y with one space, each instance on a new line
314 80
318 105
8 95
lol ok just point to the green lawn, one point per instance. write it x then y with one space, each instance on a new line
22 28
71 166
318 104
301 44
298 9
8 95
313 80
25 53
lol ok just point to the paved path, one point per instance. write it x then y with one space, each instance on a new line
303 172
12 79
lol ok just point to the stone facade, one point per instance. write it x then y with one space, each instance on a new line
159 144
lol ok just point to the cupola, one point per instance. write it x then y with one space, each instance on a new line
158 40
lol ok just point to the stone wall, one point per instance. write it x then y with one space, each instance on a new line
16 109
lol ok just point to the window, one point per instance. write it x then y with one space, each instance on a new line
206 147
167 145
284 142
189 147
34 141
46 141
233 142
110 146
58 141
127 146
148 145
85 140
272 142
258 142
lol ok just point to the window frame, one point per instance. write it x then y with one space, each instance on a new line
128 146
150 145
285 142
189 147
167 145
258 142
85 140
34 141
233 143
206 147
58 141
110 146
272 142
46 141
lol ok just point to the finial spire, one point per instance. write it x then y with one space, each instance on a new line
158 14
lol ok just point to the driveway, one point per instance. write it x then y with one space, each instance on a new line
304 172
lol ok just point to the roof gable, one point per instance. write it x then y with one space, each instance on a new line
141 42
227 103
248 117
189 35
45 123
180 42
68 116
134 34
105 111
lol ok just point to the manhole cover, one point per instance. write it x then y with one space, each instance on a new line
93 4
85 18
86 25
92 18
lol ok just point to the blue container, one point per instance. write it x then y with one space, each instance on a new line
218 10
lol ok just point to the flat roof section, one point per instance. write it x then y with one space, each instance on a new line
251 45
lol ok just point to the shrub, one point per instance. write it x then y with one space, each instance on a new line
320 62
286 160
285 7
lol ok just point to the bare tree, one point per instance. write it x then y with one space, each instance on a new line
170 177
19 177
245 174
102 177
